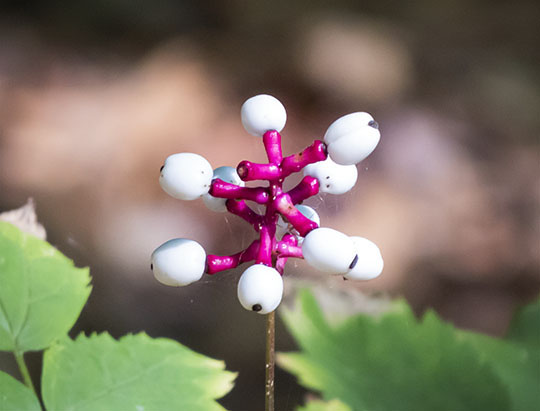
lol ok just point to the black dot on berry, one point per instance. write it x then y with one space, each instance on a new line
256 307
354 261
373 124
161 169
151 266
328 186
327 177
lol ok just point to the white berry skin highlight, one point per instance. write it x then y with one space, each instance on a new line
178 262
328 250
186 176
351 138
263 113
333 178
369 264
260 289
229 175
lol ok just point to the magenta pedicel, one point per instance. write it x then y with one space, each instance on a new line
276 201
187 176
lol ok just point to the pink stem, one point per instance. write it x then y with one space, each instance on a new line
299 221
249 171
312 154
272 145
264 254
281 261
217 263
242 210
278 168
222 189
308 187
286 249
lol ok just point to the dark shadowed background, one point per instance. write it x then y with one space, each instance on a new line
94 95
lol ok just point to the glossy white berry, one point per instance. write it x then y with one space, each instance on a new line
283 226
333 178
369 264
229 175
352 138
328 250
178 262
186 176
262 113
260 289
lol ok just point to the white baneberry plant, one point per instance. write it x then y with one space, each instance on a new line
287 228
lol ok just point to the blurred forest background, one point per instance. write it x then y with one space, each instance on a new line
94 95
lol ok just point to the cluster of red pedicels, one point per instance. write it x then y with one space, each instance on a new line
287 228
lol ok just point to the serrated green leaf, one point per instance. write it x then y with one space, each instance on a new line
41 292
516 360
517 366
133 373
14 395
390 363
334 405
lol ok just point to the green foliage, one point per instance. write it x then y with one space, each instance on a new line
334 405
135 372
516 359
16 396
396 362
525 326
41 294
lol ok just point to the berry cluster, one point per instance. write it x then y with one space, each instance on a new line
287 228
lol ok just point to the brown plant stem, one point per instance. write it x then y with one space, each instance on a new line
270 361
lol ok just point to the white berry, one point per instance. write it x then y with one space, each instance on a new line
352 138
333 178
328 250
186 176
263 113
178 262
369 264
229 175
283 227
260 289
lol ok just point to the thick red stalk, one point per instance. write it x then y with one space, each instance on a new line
249 171
299 221
290 241
276 201
264 255
285 248
222 189
272 145
308 187
242 210
217 263
296 162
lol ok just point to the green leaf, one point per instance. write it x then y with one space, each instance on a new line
525 326
41 292
133 373
516 360
334 405
14 395
390 363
